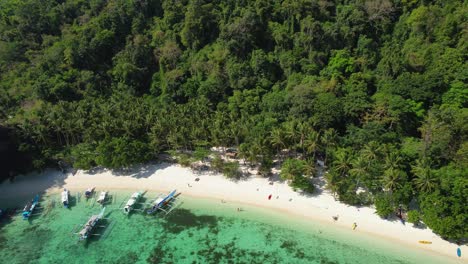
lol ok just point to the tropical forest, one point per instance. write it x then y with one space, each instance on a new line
374 90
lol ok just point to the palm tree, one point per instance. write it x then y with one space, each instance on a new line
277 138
425 180
392 179
312 142
360 167
332 182
328 140
309 168
342 162
393 160
370 151
291 133
303 129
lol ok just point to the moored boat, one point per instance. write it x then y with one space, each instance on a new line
29 208
129 206
89 192
102 197
65 196
87 229
160 202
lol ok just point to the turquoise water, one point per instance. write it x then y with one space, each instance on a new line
200 231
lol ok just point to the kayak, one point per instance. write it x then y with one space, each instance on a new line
458 252
425 242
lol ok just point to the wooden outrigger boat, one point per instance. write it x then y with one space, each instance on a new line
88 228
130 205
65 196
29 208
102 197
89 193
165 203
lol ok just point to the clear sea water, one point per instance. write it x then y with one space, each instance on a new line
200 231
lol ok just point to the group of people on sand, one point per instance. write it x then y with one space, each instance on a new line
335 218
190 185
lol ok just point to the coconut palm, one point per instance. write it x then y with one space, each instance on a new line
425 180
392 179
328 141
342 162
332 182
311 142
360 167
393 160
309 167
277 139
370 151
303 130
292 134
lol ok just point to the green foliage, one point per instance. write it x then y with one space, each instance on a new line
302 183
374 89
265 166
414 217
121 152
231 170
184 159
201 154
84 156
384 205
217 163
295 171
441 210
292 168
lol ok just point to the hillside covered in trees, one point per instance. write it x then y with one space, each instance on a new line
377 89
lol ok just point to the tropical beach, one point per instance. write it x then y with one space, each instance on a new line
226 131
249 193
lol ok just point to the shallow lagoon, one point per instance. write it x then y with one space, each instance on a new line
200 231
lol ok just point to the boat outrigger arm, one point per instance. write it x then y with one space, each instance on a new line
29 208
85 233
163 201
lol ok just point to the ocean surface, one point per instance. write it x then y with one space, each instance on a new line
199 231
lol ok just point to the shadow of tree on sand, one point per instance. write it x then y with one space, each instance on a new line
141 171
136 171
25 187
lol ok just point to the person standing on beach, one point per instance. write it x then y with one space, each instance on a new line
269 197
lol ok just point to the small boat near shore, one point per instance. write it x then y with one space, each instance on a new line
89 192
30 206
134 199
163 201
88 228
102 197
65 196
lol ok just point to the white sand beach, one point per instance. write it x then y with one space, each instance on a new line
253 191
